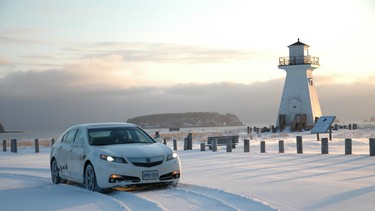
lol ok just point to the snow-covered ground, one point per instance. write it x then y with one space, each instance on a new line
215 180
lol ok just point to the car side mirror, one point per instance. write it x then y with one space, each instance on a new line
159 140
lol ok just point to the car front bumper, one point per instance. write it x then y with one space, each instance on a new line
109 175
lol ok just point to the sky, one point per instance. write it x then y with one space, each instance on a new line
67 62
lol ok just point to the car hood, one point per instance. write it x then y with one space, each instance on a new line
136 150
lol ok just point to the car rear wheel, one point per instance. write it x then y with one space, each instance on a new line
55 172
89 179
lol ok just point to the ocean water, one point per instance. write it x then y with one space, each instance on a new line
32 134
49 134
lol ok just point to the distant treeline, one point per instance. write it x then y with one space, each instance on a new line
189 119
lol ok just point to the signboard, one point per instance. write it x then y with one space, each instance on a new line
323 124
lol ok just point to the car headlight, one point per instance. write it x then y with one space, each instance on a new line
172 156
112 159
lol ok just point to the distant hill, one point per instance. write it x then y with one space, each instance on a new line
190 119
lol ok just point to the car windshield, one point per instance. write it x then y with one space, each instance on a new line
108 136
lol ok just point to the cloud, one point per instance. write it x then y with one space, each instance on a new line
370 80
59 98
21 35
3 61
104 71
354 101
161 52
9 39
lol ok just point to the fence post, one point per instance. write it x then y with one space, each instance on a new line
36 145
203 146
229 145
174 144
214 145
246 145
52 141
330 134
324 146
299 145
13 145
4 145
190 141
372 146
186 145
262 147
348 146
281 146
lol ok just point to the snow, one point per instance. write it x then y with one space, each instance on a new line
215 180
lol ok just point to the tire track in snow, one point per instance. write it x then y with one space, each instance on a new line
183 200
134 202
125 201
191 197
183 197
234 200
43 185
25 177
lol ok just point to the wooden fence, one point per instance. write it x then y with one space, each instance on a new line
14 145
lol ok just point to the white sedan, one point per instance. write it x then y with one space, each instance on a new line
105 155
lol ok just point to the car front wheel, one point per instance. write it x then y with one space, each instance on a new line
55 172
89 179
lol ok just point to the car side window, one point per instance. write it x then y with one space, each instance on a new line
70 136
63 139
79 137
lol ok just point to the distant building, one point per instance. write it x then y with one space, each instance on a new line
299 104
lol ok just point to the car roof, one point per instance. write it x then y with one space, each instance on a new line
105 125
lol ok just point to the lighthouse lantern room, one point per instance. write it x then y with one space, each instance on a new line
299 106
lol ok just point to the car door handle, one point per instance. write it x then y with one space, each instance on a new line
71 150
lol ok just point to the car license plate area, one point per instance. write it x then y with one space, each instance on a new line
150 175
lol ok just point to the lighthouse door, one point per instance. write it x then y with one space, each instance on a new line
294 108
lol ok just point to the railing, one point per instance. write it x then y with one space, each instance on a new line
298 60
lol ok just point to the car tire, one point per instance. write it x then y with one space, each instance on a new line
89 179
55 175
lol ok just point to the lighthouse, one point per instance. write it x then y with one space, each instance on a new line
299 104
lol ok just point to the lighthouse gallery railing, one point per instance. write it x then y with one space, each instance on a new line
298 60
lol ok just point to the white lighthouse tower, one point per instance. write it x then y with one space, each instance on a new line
299 104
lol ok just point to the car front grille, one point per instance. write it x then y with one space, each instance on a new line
146 161
151 164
